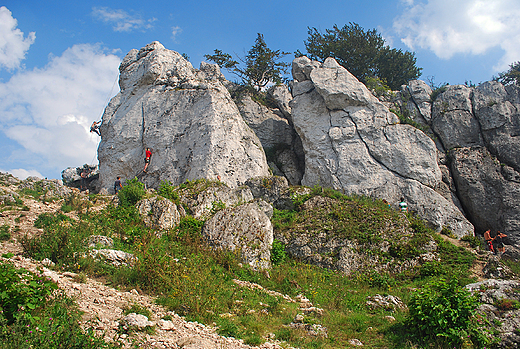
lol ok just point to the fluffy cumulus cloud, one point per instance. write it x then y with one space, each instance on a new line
121 20
449 27
13 43
48 111
21 173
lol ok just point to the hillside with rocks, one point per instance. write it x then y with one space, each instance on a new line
325 233
458 169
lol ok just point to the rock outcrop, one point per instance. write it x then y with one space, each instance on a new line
246 229
186 116
354 144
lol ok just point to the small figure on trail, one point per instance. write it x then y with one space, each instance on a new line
218 178
489 240
386 203
84 175
95 127
403 206
117 185
499 242
147 157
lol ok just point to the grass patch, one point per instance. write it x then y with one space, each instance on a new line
198 282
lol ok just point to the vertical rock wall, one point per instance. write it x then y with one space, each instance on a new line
186 116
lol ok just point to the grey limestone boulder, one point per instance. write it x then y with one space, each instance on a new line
160 212
205 202
245 229
186 116
354 144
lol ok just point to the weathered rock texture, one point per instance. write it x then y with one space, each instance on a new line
246 229
186 116
353 143
480 128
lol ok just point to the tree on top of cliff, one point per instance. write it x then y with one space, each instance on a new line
259 67
364 54
512 76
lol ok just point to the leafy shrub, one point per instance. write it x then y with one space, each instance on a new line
131 193
33 314
46 220
443 312
507 304
5 232
473 241
278 254
167 190
380 280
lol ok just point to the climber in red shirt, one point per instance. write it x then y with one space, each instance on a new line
147 157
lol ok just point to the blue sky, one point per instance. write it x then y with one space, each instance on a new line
59 59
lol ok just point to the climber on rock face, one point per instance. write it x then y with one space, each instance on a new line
95 127
147 157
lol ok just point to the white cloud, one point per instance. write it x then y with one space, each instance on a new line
449 27
48 111
175 30
121 20
21 173
13 45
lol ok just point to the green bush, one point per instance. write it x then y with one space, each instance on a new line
444 313
473 241
34 314
131 193
278 254
5 233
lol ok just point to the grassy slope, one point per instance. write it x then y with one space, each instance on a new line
198 283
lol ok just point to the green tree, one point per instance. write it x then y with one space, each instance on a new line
259 67
511 76
363 53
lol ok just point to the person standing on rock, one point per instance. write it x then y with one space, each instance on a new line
499 242
403 206
117 185
84 175
147 158
489 240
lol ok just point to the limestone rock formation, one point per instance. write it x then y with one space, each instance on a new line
246 229
204 202
276 133
160 212
354 144
186 116
479 127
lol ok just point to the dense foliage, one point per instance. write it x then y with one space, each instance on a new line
511 76
259 67
444 313
364 54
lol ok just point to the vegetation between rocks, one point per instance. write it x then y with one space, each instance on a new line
200 283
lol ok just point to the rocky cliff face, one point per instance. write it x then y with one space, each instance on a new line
186 116
353 143
329 130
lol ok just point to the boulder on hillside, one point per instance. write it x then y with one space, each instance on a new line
186 116
354 144
204 198
160 213
71 177
246 229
